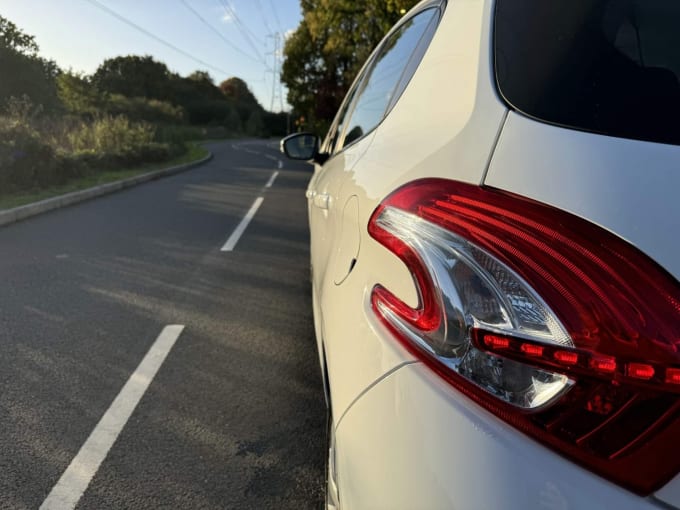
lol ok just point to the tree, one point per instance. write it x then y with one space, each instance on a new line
133 76
13 38
78 94
24 73
254 124
232 121
238 90
325 53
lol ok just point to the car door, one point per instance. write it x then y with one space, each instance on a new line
323 188
379 84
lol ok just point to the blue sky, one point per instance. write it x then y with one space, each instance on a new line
79 35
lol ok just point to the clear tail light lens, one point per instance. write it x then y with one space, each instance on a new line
557 326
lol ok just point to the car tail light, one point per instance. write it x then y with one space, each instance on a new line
555 325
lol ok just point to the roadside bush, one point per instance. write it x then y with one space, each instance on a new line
121 160
177 134
26 162
110 135
143 109
37 152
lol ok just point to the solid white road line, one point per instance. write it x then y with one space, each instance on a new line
236 234
72 484
271 180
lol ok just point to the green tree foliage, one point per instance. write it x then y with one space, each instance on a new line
23 72
11 37
230 105
133 76
78 94
325 53
238 91
255 124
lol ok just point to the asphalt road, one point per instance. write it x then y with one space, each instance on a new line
234 417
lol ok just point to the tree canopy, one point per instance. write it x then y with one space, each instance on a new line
326 51
24 73
12 37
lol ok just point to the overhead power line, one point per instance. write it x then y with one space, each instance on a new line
264 18
247 34
143 30
276 16
219 34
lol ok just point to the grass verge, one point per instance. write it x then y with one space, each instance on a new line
195 153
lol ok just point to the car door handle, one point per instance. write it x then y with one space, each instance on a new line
321 200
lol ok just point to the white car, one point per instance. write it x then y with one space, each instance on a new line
495 250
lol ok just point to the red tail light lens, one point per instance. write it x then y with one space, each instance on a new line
557 326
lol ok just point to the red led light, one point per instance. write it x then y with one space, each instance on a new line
603 364
673 376
532 350
565 357
496 342
640 371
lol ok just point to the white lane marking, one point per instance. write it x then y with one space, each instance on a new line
280 163
272 179
72 484
236 234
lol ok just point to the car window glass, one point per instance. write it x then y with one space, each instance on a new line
608 66
376 92
340 120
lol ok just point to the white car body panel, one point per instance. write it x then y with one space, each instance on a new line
399 431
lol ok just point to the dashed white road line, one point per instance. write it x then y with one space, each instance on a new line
238 232
73 483
271 179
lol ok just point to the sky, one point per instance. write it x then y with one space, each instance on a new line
233 37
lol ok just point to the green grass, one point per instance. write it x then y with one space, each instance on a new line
194 153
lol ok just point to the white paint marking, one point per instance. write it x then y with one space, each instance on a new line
272 179
72 484
280 164
236 234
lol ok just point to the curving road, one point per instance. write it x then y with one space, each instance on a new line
233 415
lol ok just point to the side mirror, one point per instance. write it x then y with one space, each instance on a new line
303 146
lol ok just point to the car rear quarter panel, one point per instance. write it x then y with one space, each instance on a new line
424 446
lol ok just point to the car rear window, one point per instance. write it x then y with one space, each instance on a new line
608 66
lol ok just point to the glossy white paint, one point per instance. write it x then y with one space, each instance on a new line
414 443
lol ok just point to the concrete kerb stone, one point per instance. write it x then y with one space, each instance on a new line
15 214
